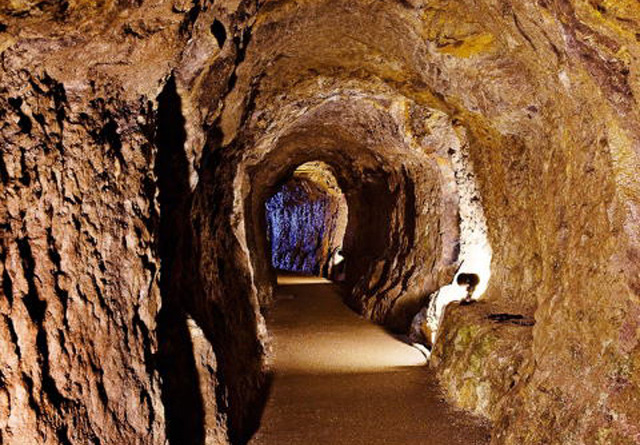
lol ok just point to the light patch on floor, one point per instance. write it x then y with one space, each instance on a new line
289 280
339 379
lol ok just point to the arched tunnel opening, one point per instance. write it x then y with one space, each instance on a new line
306 220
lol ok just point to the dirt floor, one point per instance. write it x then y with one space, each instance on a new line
341 380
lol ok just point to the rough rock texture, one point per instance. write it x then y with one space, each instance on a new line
115 205
81 248
483 354
306 221
214 421
546 95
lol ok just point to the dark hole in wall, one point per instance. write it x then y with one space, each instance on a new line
109 134
181 395
24 122
15 102
517 319
7 283
4 174
35 306
25 178
62 434
54 7
233 79
219 32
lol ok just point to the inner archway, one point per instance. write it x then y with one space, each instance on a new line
306 222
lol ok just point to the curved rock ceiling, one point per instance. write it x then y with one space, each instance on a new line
506 127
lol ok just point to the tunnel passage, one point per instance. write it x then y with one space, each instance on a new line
306 222
402 235
409 224
546 92
363 200
410 221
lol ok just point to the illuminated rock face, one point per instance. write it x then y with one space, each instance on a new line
141 140
295 225
305 226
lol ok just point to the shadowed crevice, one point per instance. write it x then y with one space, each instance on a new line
181 394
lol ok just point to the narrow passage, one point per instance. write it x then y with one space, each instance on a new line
341 380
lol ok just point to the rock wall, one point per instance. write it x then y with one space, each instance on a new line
79 268
544 94
91 124
306 222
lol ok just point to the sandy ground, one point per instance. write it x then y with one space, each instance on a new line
341 380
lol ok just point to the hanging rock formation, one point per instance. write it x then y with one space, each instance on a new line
140 140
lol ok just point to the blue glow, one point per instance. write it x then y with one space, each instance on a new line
296 230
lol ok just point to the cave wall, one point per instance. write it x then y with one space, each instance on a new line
81 261
542 95
306 221
80 284
229 308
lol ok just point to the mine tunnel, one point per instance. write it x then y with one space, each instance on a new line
306 221
319 222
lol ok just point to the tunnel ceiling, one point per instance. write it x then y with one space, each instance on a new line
498 133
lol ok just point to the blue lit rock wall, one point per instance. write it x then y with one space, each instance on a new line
302 220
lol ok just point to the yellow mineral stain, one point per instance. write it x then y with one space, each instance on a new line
470 46
620 17
626 163
442 162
